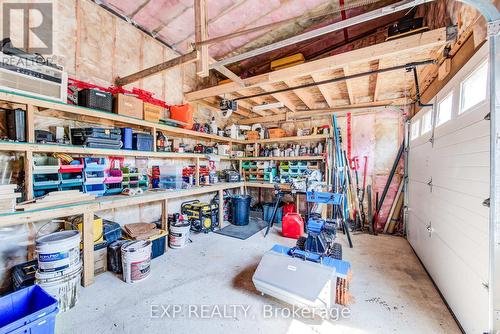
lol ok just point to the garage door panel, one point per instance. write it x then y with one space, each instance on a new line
457 248
444 172
471 248
464 159
464 292
419 194
462 130
420 157
464 204
479 190
475 145
417 235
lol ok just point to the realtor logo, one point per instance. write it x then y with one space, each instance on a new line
29 26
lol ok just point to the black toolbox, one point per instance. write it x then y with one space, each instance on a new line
16 124
97 137
95 99
23 275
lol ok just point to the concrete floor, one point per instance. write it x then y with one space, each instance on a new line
392 293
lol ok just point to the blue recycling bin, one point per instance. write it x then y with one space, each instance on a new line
30 310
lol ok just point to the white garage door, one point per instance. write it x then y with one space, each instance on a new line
448 182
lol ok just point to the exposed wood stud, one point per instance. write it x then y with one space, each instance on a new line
201 34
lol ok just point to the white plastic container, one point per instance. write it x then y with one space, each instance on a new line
58 251
179 235
136 260
63 285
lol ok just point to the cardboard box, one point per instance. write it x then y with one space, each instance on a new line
100 261
252 135
152 113
127 105
276 133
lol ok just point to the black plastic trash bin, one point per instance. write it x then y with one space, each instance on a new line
241 209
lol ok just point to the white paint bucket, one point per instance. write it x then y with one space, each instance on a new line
178 235
136 260
63 285
58 251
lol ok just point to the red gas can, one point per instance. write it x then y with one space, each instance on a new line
289 208
292 225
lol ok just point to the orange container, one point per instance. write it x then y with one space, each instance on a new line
182 113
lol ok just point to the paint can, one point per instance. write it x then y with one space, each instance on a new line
58 251
179 234
136 260
63 285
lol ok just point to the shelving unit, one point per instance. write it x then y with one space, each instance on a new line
41 107
316 157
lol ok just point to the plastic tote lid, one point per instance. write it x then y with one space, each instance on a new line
58 236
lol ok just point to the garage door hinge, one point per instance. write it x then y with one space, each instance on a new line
487 117
486 285
430 184
486 202
431 140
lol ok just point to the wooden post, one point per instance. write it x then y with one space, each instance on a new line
221 208
28 175
201 34
88 248
30 123
164 219
153 133
197 172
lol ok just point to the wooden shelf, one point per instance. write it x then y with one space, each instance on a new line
295 139
266 185
107 203
305 158
54 148
86 113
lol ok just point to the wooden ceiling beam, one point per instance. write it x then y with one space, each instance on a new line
303 94
429 39
177 61
327 96
281 97
320 112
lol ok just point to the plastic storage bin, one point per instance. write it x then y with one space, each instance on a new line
171 177
158 244
142 142
112 231
29 310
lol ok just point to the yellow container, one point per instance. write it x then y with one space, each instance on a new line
98 230
292 60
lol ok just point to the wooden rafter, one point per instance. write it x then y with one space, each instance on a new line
322 112
177 61
348 85
323 89
201 34
281 97
303 94
406 45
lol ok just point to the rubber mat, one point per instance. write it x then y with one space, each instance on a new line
243 232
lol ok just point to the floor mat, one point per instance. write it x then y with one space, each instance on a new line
243 232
